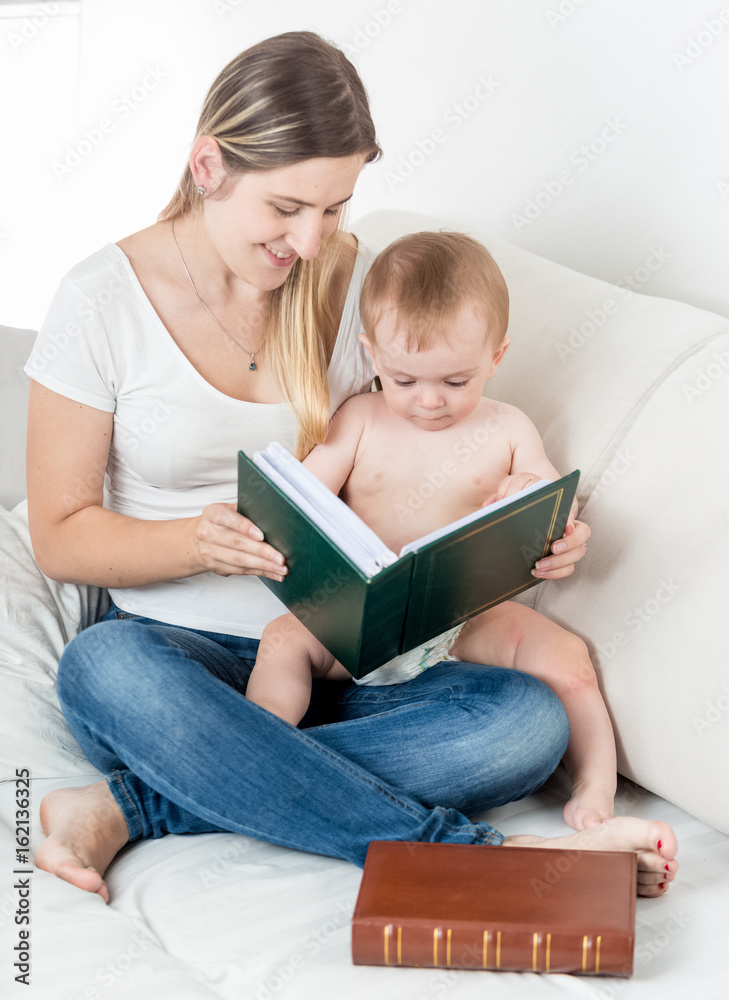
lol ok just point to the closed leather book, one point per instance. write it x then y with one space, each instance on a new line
518 909
366 620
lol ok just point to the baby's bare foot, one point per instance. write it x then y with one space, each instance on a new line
588 807
654 842
85 830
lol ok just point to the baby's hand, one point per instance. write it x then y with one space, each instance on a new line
512 484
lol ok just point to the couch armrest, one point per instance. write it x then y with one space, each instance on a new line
15 346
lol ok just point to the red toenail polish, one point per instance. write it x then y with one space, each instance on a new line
667 868
662 885
659 844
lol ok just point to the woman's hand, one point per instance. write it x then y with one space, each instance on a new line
565 552
230 545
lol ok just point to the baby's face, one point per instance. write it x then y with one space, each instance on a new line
435 388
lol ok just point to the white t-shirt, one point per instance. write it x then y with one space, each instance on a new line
176 438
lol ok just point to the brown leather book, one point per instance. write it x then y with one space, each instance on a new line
518 909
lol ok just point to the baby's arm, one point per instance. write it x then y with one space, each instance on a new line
333 460
529 461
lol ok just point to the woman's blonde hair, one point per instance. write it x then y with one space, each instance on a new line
427 277
290 98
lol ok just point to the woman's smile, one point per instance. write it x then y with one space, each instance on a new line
277 257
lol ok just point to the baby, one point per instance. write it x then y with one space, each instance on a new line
435 310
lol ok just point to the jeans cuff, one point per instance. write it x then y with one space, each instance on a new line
123 799
491 836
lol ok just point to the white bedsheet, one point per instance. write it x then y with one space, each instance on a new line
222 916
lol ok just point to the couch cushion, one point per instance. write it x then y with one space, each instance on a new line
634 391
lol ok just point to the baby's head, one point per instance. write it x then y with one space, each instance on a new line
435 310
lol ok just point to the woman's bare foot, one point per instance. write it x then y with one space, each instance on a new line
588 806
85 830
654 842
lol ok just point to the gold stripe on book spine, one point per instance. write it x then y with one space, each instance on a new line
584 953
436 936
387 930
535 945
549 948
498 949
485 949
550 496
554 518
597 953
448 948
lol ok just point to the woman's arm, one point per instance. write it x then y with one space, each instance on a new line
77 540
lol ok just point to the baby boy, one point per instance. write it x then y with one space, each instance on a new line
435 310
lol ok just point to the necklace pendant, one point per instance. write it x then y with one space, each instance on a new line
252 365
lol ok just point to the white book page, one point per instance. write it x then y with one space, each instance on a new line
420 543
348 532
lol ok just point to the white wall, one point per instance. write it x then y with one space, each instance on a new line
491 100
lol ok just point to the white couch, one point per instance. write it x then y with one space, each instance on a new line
633 391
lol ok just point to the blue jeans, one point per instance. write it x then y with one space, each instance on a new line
161 711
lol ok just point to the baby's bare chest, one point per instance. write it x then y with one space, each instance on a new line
406 486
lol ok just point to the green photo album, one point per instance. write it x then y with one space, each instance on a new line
367 604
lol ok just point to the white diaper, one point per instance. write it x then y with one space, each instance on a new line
408 665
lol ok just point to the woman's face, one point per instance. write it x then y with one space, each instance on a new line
267 219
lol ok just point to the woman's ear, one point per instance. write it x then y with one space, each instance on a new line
206 164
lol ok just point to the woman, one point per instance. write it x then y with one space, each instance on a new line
229 323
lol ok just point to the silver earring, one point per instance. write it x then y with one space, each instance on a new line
200 190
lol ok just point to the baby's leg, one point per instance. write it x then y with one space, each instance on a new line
288 657
511 635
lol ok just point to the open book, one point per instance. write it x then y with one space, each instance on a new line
366 603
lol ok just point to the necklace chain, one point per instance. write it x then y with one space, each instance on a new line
252 365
